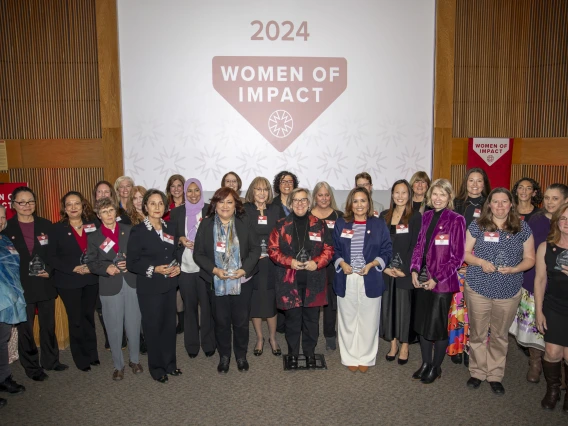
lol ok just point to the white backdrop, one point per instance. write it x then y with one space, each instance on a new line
180 115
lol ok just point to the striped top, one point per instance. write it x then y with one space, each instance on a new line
358 240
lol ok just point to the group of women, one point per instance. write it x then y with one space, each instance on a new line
454 273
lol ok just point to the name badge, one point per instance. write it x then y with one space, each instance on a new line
107 245
90 227
347 233
376 213
42 239
263 220
12 249
442 240
477 213
402 229
220 247
314 236
522 217
330 224
118 218
492 237
168 238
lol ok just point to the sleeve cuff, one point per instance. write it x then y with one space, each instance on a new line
381 263
336 264
150 271
435 280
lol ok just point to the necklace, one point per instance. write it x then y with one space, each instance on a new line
298 236
77 227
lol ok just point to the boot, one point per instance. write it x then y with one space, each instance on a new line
565 406
535 365
552 373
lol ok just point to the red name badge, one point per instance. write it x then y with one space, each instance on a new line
492 237
330 224
42 239
477 213
376 213
347 233
314 236
168 238
263 220
12 249
402 229
118 219
442 240
220 247
522 217
107 245
90 227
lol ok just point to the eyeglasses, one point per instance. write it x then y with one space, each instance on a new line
107 211
300 201
230 181
25 203
261 189
287 182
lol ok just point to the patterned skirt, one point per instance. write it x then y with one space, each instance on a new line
524 325
458 323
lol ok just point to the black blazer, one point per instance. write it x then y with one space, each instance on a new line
146 250
64 255
273 212
99 261
36 289
204 254
403 244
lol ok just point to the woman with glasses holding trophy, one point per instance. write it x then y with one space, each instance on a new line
227 250
499 248
106 258
153 257
76 285
301 247
362 250
194 291
30 236
396 306
437 256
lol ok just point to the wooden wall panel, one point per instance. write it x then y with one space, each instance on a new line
543 174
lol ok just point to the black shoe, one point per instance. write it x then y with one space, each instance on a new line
163 379
10 386
40 377
95 363
466 360
258 352
457 359
293 362
473 383
176 372
58 367
209 354
179 328
3 402
431 375
420 372
497 388
192 355
242 365
391 358
311 361
330 343
277 351
223 367
403 361
107 346
143 347
86 369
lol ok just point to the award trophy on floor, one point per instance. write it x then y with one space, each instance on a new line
37 266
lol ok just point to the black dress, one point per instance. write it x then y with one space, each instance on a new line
526 217
555 305
470 208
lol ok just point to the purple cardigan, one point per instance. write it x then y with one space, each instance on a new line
540 226
442 261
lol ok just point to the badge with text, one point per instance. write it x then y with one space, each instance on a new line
107 245
90 227
347 233
492 237
42 239
263 220
118 218
442 240
12 249
522 217
168 238
376 213
220 247
314 236
330 224
477 213
401 229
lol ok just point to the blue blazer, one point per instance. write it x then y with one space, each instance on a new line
377 244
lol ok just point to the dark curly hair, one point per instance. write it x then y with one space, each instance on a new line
220 195
86 215
279 177
536 200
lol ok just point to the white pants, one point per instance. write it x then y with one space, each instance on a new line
358 324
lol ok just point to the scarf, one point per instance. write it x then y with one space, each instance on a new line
230 259
191 210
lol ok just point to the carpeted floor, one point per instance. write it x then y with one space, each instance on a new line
386 395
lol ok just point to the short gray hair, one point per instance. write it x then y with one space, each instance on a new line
295 191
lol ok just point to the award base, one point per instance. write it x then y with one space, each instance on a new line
302 363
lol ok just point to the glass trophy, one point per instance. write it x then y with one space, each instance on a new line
120 257
561 260
396 262
171 265
303 256
423 276
500 260
37 266
229 265
263 249
84 259
358 263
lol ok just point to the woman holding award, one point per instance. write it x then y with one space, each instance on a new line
499 248
76 285
551 299
437 256
152 256
396 308
363 248
194 291
227 250
106 254
301 247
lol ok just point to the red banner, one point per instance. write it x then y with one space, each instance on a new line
494 155
5 196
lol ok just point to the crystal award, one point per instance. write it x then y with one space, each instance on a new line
561 260
229 264
358 263
500 260
120 257
396 262
263 249
423 276
84 259
303 256
37 266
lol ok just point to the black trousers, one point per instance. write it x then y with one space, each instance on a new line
159 322
5 333
232 313
330 313
27 349
302 322
195 294
80 306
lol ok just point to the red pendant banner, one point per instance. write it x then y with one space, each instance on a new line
495 156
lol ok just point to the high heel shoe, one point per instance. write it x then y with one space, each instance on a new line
258 352
275 352
391 358
403 361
